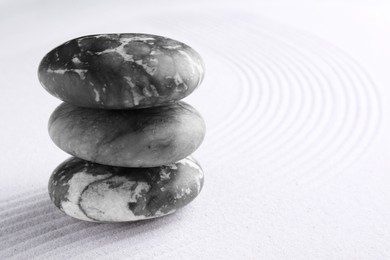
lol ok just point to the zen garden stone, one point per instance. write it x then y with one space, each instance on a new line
122 120
96 192
130 138
119 71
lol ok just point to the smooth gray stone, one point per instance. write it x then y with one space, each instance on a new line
118 71
95 192
128 138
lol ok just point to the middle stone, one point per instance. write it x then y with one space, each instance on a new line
147 137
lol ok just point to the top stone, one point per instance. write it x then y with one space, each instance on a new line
119 71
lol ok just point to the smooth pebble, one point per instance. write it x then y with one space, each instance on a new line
128 138
100 193
119 71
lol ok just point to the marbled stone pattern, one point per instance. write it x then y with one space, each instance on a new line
118 71
95 192
129 138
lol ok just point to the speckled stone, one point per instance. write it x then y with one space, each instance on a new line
95 192
118 71
129 138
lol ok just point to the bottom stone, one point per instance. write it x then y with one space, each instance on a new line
100 193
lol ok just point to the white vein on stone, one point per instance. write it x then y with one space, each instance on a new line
76 186
80 72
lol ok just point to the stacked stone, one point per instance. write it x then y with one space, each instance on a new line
122 120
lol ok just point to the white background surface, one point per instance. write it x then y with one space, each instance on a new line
296 159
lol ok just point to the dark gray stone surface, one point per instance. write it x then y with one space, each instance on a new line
95 192
129 138
117 71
